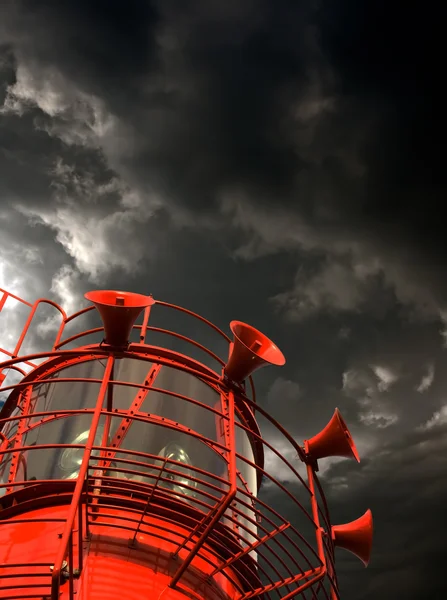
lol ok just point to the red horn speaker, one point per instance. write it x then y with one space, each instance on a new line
356 537
119 311
333 440
250 350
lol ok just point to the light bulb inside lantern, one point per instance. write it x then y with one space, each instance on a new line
178 481
71 458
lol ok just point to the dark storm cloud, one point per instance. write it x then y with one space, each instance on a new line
291 153
206 79
274 100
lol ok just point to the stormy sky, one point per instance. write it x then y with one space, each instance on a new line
278 162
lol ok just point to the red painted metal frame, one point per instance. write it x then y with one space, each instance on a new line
96 491
143 328
26 395
75 503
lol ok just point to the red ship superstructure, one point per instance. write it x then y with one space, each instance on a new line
132 470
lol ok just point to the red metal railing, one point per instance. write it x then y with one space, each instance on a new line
143 329
271 525
278 542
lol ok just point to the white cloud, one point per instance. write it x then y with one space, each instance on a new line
14 263
358 383
354 265
276 467
19 275
45 92
95 244
266 232
438 419
64 111
427 379
97 238
335 287
76 117
16 278
94 222
11 327
65 288
385 376
368 387
378 419
443 331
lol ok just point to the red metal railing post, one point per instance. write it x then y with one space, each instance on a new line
248 549
305 586
30 318
70 567
59 334
80 537
10 295
317 573
231 433
18 438
3 300
227 500
149 500
316 517
147 313
74 506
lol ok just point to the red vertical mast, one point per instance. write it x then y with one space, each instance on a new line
132 471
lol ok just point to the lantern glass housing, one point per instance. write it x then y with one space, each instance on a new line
182 437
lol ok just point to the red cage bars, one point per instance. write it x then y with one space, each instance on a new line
83 480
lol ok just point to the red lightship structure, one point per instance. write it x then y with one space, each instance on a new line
133 471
